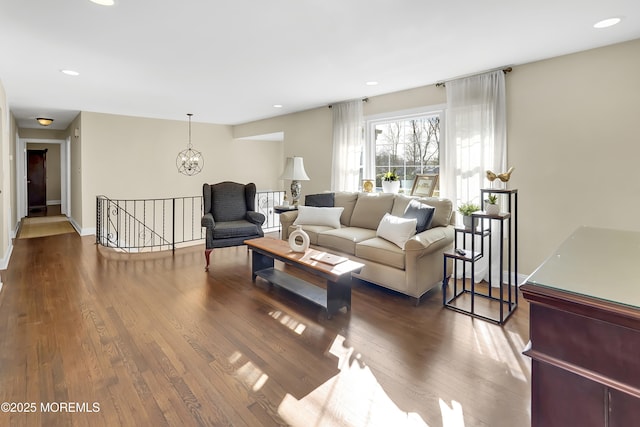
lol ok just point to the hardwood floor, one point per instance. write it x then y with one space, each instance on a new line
152 340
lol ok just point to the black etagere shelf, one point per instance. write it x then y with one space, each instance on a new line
463 298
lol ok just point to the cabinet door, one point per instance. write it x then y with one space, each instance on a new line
560 398
624 409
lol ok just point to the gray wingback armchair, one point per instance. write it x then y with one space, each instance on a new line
229 215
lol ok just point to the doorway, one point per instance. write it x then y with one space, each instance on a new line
37 181
58 174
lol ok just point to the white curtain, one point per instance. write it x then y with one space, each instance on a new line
475 141
347 145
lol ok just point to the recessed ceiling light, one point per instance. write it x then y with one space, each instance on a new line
606 23
70 72
277 105
104 2
371 83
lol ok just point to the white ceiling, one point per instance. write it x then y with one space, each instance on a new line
229 62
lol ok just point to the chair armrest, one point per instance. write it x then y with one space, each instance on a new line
256 217
207 220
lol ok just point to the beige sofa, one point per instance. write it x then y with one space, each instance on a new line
413 270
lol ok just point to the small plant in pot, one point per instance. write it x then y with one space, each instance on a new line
390 182
466 209
492 207
390 176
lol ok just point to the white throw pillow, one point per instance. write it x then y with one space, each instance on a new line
396 230
311 215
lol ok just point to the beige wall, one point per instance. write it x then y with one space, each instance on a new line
12 198
131 157
306 134
53 169
309 133
31 133
4 176
571 137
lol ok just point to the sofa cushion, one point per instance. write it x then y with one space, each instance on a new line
400 204
240 228
443 213
397 230
310 215
321 200
421 212
381 251
345 239
312 230
347 201
370 208
441 216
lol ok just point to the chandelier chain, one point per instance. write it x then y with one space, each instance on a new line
189 114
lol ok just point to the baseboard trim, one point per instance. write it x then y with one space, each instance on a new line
88 231
4 262
82 231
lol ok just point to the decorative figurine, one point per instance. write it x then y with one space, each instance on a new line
504 176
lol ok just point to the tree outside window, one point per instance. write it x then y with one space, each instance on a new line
408 145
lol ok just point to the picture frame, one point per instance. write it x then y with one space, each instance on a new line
424 184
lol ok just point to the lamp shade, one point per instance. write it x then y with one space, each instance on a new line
294 170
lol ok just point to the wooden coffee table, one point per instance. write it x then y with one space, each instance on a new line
338 293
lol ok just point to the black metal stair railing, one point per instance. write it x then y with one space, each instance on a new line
146 225
265 203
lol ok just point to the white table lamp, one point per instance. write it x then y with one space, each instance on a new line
294 170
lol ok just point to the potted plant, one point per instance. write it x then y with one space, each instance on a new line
390 182
466 209
492 207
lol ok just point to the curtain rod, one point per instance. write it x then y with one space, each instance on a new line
504 70
363 100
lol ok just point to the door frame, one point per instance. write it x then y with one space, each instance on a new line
21 174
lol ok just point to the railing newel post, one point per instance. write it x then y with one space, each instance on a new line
173 226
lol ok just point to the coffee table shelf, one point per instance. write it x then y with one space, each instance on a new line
338 277
295 285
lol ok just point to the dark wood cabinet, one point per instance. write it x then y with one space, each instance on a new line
585 332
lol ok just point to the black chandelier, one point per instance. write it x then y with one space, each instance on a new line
189 161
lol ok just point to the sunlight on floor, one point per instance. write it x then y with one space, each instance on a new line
288 321
248 373
503 346
351 398
452 416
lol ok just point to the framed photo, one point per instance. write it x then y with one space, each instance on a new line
424 184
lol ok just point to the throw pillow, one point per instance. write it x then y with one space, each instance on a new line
370 208
310 215
396 230
321 200
421 212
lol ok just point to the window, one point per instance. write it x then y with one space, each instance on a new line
408 143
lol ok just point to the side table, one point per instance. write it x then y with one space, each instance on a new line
282 209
